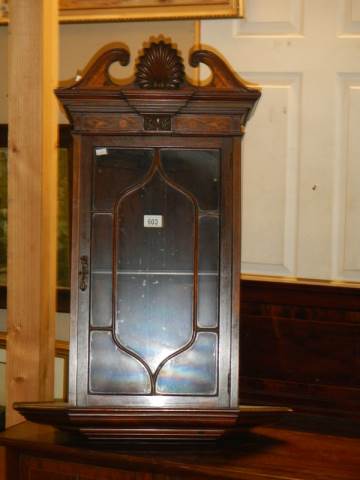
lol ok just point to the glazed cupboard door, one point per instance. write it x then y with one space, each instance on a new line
154 315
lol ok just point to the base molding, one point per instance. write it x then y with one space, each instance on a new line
109 424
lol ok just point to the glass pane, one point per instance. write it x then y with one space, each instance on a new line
209 244
193 372
154 294
101 242
116 169
208 304
198 171
154 314
167 248
113 371
208 291
101 299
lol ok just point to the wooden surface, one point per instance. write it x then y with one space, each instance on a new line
160 112
171 425
32 202
300 346
332 452
276 315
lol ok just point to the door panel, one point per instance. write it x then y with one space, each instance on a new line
154 326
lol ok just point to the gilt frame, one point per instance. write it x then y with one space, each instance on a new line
80 11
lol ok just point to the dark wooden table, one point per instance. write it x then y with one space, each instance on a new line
288 451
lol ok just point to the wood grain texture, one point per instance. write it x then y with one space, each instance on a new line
266 304
64 141
301 346
163 95
97 96
2 462
32 202
124 425
328 452
61 346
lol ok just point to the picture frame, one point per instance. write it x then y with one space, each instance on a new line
80 11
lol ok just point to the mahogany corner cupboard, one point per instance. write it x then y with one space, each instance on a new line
154 350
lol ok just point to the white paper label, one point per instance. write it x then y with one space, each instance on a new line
101 151
153 221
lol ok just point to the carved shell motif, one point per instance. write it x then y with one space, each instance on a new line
160 67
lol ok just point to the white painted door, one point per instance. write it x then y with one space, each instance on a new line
301 163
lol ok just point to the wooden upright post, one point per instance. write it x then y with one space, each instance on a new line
33 59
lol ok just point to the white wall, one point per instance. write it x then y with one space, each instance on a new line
301 169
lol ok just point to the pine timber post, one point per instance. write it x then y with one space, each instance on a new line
32 171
